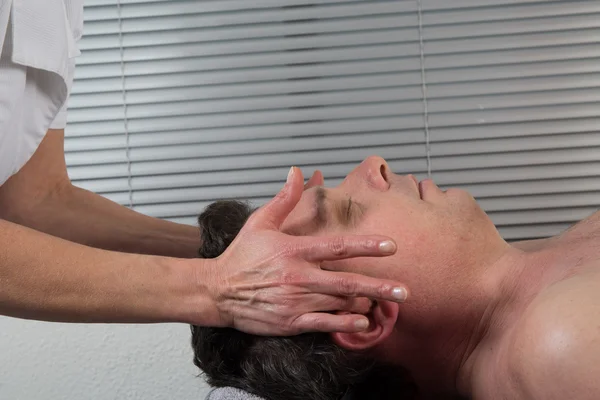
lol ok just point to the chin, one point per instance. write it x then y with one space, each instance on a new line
462 196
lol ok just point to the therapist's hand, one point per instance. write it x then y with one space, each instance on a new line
270 283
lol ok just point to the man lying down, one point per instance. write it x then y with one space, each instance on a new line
484 319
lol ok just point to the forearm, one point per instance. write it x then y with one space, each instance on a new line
47 278
41 196
84 217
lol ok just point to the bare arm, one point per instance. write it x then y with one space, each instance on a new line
47 278
41 196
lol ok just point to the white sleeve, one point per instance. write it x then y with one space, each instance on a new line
74 11
60 121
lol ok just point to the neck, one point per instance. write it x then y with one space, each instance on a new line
443 341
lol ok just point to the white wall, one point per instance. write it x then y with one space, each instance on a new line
45 361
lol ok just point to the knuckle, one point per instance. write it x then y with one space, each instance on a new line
371 244
283 194
345 303
290 326
287 304
318 324
290 277
361 305
347 287
287 250
385 290
286 327
338 247
253 219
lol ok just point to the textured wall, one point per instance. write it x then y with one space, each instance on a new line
43 361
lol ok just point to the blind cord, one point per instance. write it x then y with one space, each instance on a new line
424 89
124 96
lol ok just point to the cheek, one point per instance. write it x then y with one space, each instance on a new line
382 268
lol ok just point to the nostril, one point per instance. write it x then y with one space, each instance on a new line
383 172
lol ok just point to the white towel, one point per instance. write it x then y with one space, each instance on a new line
230 393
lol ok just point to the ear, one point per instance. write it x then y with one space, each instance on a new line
315 180
382 320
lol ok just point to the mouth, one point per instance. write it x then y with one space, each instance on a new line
417 186
428 185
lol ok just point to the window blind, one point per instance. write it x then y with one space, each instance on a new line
180 103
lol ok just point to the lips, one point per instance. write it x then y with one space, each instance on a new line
417 185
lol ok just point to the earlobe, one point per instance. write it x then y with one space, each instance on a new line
382 320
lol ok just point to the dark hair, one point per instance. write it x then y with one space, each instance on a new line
303 367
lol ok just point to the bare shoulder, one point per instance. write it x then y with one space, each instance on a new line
554 352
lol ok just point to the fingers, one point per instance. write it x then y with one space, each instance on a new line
272 214
358 305
355 285
315 180
322 322
341 247
328 303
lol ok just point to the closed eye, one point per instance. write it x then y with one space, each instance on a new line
349 210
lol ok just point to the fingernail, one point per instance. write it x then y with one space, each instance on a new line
290 174
387 247
362 324
400 294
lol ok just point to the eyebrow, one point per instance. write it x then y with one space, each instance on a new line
321 200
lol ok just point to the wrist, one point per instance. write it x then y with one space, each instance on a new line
197 296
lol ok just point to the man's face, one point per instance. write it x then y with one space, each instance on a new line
437 232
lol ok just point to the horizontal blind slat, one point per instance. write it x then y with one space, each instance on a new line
506 57
518 173
141 76
555 186
542 203
260 131
247 90
298 116
509 114
192 107
526 128
518 144
148 13
511 12
409 88
524 158
199 54
222 5
512 28
176 150
197 42
275 160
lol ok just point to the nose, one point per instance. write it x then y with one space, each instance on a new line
375 171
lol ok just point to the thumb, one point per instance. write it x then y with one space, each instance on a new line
272 214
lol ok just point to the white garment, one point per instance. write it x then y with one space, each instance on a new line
38 41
